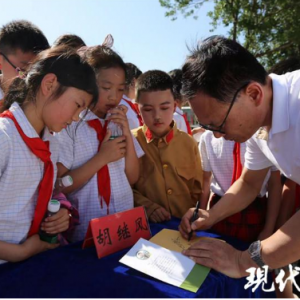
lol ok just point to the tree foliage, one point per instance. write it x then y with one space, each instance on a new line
270 29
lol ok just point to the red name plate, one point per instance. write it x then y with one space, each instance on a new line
117 231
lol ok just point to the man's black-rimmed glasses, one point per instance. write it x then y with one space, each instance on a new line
21 73
219 128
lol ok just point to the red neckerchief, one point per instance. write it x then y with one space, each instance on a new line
136 110
149 135
103 177
39 148
187 125
237 165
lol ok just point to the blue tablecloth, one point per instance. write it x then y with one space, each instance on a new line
72 272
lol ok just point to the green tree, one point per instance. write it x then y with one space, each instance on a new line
270 29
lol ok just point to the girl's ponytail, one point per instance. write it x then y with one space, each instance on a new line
17 92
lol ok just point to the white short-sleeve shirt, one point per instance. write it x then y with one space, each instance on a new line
217 157
179 119
133 120
281 146
78 144
20 175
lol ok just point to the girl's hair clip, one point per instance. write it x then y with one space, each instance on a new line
108 41
21 74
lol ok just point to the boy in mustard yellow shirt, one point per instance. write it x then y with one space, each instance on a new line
170 171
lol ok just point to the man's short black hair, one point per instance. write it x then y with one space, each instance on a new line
22 35
153 81
70 40
218 67
176 76
132 72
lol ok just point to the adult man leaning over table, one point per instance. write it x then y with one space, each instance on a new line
232 95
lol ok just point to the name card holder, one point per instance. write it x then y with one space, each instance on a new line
118 231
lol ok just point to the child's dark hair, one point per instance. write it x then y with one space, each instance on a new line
70 40
152 81
102 57
176 76
22 35
287 65
70 69
218 67
133 72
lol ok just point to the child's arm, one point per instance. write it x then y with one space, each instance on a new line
17 252
274 200
131 160
204 197
155 212
109 151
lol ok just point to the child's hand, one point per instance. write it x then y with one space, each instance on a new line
160 215
112 150
57 223
118 116
34 245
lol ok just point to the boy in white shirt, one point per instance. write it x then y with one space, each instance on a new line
20 42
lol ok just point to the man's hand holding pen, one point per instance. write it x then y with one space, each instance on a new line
194 219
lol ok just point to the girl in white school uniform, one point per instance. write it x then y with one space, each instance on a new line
58 86
102 169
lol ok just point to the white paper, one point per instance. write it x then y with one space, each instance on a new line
168 266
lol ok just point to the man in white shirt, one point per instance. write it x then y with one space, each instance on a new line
232 95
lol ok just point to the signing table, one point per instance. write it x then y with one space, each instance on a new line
70 271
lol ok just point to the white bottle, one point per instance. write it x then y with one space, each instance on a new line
53 208
62 183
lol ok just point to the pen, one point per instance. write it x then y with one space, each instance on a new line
194 218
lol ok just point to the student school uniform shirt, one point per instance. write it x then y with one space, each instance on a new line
170 172
78 143
281 145
179 119
133 120
225 161
21 172
217 158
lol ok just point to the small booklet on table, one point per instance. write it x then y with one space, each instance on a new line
171 266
